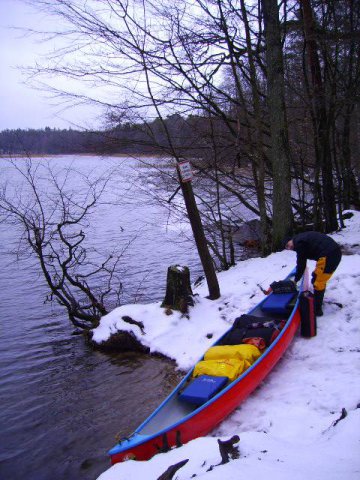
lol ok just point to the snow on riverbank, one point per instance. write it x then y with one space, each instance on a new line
288 426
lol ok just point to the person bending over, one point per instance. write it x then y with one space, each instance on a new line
327 253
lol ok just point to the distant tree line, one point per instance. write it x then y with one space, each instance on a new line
54 141
142 138
45 141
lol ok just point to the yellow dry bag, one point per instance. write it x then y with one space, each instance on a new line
250 353
230 367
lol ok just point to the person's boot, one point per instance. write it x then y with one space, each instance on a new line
318 301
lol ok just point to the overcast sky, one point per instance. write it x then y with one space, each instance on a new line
21 105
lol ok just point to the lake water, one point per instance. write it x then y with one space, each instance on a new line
62 404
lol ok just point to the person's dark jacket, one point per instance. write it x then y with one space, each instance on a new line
312 246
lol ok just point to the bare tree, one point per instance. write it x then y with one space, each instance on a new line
53 218
280 150
320 117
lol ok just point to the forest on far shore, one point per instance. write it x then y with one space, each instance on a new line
145 138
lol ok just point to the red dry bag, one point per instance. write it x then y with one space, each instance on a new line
307 313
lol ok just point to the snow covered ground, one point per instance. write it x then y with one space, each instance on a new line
290 426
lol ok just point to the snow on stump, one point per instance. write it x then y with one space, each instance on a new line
178 289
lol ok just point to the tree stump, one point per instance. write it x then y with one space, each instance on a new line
228 449
178 289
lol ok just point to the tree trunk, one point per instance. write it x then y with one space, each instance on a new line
200 240
258 163
350 194
280 152
321 120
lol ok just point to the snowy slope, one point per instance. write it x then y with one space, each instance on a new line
290 426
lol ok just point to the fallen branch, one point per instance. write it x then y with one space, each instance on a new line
170 472
340 305
342 416
265 292
130 320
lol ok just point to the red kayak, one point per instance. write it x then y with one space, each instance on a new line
176 421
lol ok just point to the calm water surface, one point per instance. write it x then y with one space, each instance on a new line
62 404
